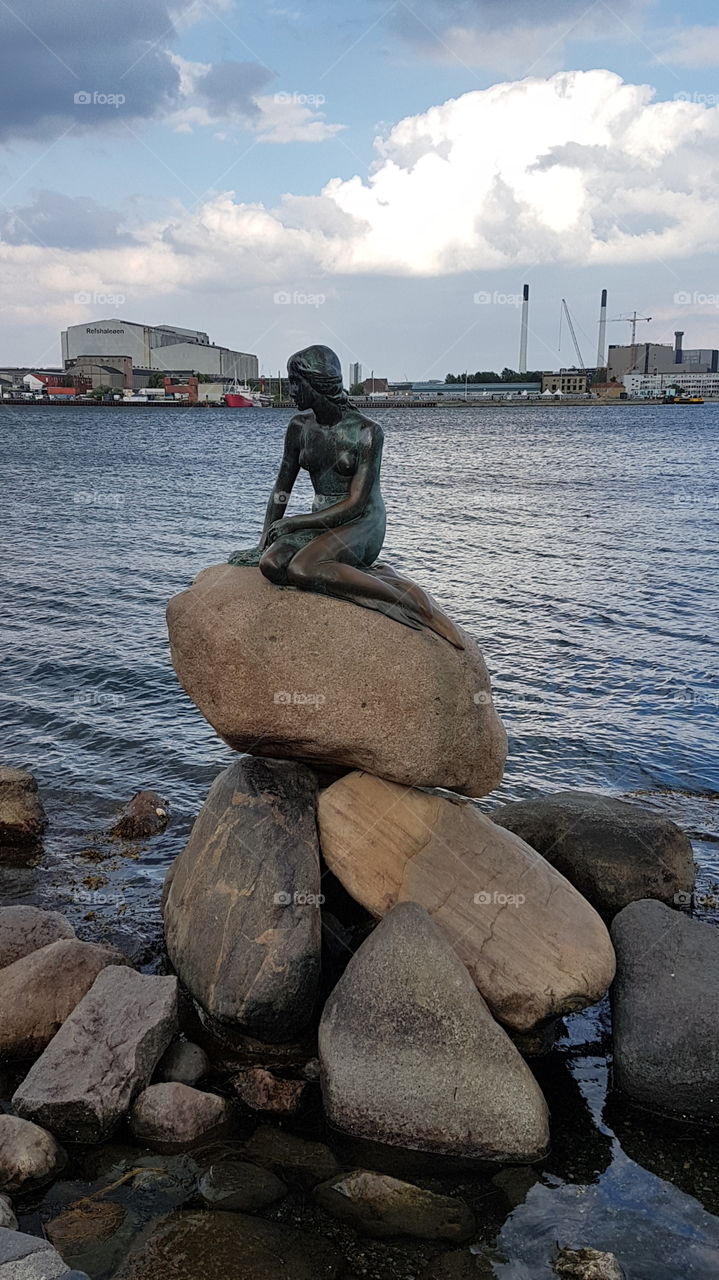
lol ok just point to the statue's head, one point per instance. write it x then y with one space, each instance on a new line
315 373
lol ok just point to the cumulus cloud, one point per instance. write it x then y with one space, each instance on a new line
579 169
226 96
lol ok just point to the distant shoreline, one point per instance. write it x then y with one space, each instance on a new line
566 402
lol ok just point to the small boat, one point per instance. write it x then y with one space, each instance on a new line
683 400
239 396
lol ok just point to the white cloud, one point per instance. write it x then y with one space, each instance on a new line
693 47
577 170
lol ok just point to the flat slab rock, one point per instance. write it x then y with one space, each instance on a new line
101 1057
242 906
534 947
25 929
412 1057
230 1246
665 1004
25 1257
614 853
294 674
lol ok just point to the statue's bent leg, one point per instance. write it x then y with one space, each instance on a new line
275 560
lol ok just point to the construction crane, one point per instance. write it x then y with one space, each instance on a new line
632 320
580 360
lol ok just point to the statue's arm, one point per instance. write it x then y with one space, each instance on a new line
286 476
364 481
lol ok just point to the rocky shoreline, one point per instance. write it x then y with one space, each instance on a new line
347 950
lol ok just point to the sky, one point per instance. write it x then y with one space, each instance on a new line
382 177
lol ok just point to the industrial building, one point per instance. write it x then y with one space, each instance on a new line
650 385
154 347
650 358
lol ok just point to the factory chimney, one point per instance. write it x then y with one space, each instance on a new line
524 330
678 352
601 346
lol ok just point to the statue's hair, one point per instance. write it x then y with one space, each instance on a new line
320 367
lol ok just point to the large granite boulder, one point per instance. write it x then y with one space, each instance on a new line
381 1206
412 1057
242 910
614 853
533 946
29 1155
217 1246
38 992
26 929
172 1115
22 816
666 1010
102 1056
280 672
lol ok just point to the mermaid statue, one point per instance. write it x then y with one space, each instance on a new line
333 548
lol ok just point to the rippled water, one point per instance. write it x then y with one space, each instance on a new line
577 545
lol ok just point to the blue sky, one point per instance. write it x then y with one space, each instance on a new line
282 172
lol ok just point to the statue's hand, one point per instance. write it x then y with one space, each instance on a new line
279 528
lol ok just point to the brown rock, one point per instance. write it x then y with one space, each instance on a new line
39 992
26 929
143 816
533 946
587 1264
262 1091
29 1155
22 816
298 675
380 1206
296 1159
175 1115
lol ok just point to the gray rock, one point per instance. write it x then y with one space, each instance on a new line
242 915
39 992
26 929
378 1205
29 1156
184 1063
296 1159
239 1185
665 1002
22 817
174 1115
614 853
24 1257
143 816
412 1057
587 1264
102 1057
7 1214
215 1246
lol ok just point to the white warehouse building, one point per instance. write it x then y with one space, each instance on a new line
657 384
163 346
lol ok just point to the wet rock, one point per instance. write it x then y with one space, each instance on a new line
613 852
296 1159
24 1257
665 1003
39 992
242 914
587 1264
22 816
261 1091
7 1214
183 1063
174 1115
83 1224
29 1155
361 690
381 1206
215 1245
102 1056
239 1185
27 929
533 946
412 1057
145 815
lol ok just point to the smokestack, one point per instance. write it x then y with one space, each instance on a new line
678 340
601 346
524 330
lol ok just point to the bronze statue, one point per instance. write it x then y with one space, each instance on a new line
334 548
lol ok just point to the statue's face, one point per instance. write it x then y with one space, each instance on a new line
300 391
